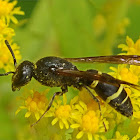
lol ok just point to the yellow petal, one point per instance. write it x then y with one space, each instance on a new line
80 109
113 69
129 41
22 107
37 115
17 11
42 111
65 123
54 121
103 138
27 114
18 110
8 19
64 99
83 105
139 130
61 125
49 114
96 137
89 136
14 2
75 125
14 19
74 100
79 135
123 47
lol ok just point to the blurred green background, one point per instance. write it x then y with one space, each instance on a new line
65 28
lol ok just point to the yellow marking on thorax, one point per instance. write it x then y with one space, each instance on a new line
94 83
99 72
124 100
115 95
35 66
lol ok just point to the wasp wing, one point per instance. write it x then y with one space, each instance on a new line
95 76
113 59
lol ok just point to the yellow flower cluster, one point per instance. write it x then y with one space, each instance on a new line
7 12
75 115
35 104
100 25
121 29
130 74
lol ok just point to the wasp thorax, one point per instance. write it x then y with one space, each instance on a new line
22 75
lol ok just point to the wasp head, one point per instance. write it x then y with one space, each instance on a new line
22 75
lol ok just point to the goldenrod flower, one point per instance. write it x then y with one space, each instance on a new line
62 113
131 48
122 26
85 97
107 111
99 24
35 104
88 122
7 11
130 74
124 73
5 31
6 60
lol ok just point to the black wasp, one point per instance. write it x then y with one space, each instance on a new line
58 72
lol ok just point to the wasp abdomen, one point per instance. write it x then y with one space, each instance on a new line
114 95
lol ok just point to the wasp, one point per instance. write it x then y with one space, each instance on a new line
60 72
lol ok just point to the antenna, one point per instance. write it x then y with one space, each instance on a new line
11 51
4 74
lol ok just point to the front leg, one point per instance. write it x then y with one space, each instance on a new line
64 90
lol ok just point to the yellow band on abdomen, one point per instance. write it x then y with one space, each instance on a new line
115 95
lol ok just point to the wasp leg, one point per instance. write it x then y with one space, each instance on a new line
97 100
64 90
